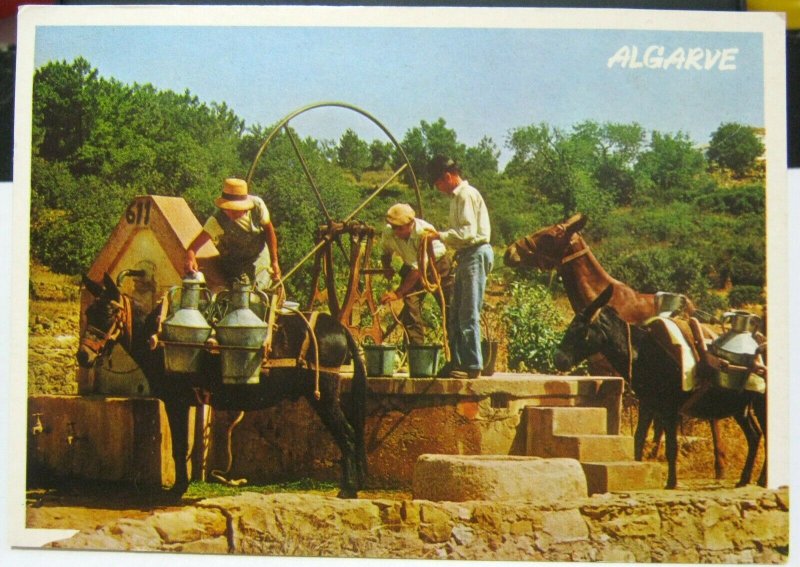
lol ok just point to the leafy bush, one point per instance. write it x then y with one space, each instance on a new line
533 328
662 269
68 241
745 294
738 201
711 303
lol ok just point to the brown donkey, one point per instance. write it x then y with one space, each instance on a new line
560 247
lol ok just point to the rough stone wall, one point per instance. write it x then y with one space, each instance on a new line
405 419
749 525
289 440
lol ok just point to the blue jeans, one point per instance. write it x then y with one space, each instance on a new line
464 316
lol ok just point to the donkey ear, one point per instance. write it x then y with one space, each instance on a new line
94 288
576 222
599 302
110 286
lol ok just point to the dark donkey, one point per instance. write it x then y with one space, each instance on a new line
112 317
655 378
561 247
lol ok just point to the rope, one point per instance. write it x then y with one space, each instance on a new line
397 320
426 259
312 336
220 475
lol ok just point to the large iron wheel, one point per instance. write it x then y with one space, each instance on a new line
323 250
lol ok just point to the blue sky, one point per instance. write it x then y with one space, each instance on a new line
483 82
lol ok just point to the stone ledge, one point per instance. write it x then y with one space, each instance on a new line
744 525
515 385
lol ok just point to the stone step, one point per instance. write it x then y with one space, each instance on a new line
620 476
585 448
544 421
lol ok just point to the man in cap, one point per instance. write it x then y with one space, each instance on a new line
243 233
468 234
403 235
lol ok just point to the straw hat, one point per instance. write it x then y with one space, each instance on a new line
234 196
400 214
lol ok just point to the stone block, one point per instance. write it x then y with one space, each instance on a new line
458 478
100 438
588 448
567 420
622 476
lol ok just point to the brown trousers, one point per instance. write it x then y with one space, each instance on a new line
411 314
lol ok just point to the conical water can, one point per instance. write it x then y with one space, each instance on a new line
241 334
186 330
737 345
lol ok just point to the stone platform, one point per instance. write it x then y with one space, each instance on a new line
406 417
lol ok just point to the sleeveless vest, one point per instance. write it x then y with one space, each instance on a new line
240 248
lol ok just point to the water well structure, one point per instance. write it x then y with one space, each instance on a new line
113 430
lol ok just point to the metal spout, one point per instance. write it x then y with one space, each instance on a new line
38 427
71 435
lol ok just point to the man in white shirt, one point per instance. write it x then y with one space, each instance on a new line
469 233
243 233
402 236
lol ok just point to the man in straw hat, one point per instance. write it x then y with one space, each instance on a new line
469 235
403 236
243 233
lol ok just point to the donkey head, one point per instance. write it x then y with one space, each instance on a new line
545 248
589 332
107 317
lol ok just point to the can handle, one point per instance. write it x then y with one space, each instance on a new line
171 299
265 298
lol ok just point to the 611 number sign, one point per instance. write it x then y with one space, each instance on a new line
139 212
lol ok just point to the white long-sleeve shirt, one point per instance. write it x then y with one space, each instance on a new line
469 218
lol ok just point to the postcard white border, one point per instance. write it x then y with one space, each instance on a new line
770 25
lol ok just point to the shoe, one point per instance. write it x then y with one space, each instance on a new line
465 374
444 371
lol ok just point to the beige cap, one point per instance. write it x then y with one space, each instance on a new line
400 214
234 196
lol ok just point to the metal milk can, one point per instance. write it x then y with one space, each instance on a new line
241 334
186 329
669 304
737 345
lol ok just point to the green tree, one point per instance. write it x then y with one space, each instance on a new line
423 142
670 168
98 137
380 154
544 157
735 147
617 147
65 108
481 161
353 153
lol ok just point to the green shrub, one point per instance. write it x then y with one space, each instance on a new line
533 328
661 269
710 303
745 294
738 201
